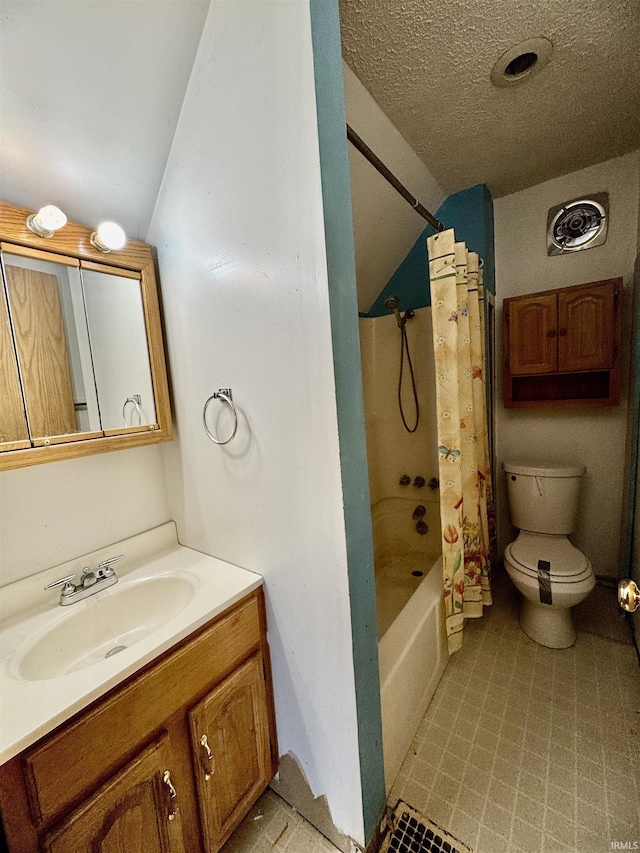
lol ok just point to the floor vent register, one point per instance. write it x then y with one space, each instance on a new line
409 832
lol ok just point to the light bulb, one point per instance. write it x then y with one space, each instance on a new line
46 221
109 237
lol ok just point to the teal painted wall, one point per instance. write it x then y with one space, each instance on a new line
336 196
470 213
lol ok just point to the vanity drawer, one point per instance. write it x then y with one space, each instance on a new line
70 764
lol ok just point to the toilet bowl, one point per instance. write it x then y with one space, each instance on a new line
551 573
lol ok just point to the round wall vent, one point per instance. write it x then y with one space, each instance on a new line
577 225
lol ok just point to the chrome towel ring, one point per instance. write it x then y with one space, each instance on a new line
226 396
136 400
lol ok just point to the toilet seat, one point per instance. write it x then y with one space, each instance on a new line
566 564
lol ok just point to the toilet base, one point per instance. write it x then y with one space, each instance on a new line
548 626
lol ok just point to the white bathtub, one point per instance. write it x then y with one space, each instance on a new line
412 648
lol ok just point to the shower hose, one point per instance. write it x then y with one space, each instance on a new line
404 346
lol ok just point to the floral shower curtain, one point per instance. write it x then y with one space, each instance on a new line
466 499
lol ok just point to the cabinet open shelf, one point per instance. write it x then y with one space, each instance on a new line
562 387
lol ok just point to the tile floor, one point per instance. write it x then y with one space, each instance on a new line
530 750
523 749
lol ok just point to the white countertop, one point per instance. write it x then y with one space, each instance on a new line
30 709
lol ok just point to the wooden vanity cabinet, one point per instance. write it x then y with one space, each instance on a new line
232 769
134 811
563 346
132 772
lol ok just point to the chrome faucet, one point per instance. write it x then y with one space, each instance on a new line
90 582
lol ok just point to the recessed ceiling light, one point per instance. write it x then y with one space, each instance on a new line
521 62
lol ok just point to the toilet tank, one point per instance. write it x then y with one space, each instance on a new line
543 498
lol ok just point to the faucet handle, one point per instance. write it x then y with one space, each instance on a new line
63 581
104 568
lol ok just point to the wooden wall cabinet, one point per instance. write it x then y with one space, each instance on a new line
169 762
563 346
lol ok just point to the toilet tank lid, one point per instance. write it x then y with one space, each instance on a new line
542 470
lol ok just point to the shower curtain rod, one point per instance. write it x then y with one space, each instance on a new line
364 149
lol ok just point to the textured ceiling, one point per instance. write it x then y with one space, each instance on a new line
427 65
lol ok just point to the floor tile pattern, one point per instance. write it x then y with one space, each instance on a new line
530 750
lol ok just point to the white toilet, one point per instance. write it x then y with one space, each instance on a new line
552 575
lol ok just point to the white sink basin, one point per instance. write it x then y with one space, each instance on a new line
54 661
104 625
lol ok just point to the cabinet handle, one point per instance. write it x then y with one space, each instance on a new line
204 743
551 333
562 332
166 778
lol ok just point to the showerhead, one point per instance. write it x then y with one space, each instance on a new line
392 303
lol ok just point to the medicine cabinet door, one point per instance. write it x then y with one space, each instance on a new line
46 307
118 335
13 423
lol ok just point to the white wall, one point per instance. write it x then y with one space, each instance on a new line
384 225
133 60
594 436
90 94
239 232
51 513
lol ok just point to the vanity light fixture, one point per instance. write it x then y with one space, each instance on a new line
46 221
108 238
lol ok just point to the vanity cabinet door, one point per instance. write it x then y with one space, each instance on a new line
136 811
230 742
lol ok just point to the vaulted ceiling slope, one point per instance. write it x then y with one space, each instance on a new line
90 94
427 65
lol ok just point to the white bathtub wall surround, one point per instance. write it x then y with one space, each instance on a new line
391 450
591 436
239 233
384 226
51 513
34 703
412 648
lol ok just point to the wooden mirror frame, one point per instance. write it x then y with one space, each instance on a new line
73 240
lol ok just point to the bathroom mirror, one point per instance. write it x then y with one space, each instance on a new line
53 352
115 317
80 345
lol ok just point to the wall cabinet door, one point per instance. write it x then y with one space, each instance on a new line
533 347
231 750
586 328
136 811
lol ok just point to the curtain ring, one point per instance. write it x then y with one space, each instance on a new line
136 402
225 395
